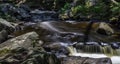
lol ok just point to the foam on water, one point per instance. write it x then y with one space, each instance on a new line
115 59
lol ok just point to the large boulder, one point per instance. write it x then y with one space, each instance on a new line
31 56
25 41
105 29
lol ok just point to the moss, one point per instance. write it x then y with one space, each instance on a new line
4 51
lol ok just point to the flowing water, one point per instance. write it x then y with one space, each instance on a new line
114 58
70 35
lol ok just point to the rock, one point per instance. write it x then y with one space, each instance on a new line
40 42
3 35
72 60
6 25
97 61
25 56
105 29
58 48
39 15
14 12
22 13
85 60
42 58
91 43
103 44
26 40
115 45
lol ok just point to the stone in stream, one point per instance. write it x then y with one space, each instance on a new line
85 60
105 29
58 48
115 45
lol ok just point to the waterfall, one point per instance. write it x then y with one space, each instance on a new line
114 58
72 50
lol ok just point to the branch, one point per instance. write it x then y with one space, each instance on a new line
21 1
115 2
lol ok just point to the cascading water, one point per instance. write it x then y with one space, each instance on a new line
101 54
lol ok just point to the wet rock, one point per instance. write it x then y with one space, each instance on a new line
3 35
72 60
22 13
58 48
14 12
26 40
5 25
115 45
103 44
97 61
91 43
79 45
39 15
85 60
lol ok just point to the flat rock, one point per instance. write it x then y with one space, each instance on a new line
85 60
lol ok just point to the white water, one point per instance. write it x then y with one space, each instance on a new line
73 52
51 27
114 59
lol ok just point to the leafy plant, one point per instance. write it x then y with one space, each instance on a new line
100 11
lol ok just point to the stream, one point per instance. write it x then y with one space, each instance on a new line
69 35
54 38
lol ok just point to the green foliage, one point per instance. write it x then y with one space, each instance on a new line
100 11
4 51
115 9
7 17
